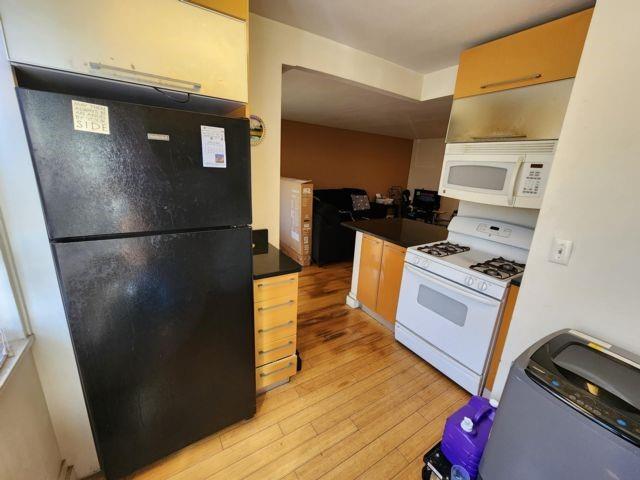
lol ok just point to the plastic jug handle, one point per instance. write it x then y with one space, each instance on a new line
481 413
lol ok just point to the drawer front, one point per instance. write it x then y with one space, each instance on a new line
275 319
267 352
276 371
275 287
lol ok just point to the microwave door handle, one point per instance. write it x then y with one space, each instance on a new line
458 289
514 180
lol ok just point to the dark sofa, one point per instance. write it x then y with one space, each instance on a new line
331 242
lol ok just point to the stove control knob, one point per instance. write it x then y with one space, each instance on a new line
468 281
425 262
483 286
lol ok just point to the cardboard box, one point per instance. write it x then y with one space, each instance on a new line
296 214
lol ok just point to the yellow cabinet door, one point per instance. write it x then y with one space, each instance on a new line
390 280
540 54
369 273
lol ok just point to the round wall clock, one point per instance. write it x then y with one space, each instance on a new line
257 130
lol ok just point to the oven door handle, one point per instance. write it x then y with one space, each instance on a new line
514 180
451 285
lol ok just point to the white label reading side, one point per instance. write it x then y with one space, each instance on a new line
90 117
214 148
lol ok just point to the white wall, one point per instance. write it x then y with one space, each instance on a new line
272 45
20 206
598 157
28 448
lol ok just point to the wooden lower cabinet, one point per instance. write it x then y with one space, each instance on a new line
507 314
380 276
390 280
369 272
275 323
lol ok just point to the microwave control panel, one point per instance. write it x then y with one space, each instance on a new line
533 178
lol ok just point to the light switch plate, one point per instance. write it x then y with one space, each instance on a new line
560 251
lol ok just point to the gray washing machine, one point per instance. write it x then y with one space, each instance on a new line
570 410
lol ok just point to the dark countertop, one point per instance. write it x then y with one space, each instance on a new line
401 231
516 281
273 263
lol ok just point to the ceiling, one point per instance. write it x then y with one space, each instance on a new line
320 99
422 35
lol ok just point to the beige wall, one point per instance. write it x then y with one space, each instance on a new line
335 158
598 152
272 45
426 166
28 447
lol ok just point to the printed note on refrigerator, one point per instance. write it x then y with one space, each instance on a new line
90 117
214 147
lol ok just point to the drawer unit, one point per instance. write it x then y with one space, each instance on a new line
270 351
275 372
276 323
275 287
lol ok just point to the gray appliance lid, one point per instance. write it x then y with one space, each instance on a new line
603 371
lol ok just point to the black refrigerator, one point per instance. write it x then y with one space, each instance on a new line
148 212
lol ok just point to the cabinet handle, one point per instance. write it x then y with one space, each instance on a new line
262 352
282 325
499 137
279 305
130 73
277 370
264 285
512 80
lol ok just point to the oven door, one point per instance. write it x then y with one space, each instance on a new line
454 319
481 178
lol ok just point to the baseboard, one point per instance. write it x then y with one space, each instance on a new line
378 318
352 301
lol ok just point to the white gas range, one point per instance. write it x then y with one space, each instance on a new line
453 292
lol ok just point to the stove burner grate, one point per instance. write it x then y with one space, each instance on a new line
443 249
499 267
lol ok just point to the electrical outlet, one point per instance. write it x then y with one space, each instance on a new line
560 251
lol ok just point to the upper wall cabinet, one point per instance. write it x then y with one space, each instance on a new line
166 43
541 54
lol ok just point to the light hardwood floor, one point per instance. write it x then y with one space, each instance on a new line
363 406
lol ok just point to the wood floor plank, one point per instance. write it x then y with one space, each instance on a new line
181 460
257 460
288 462
314 411
327 420
411 471
387 467
228 456
378 448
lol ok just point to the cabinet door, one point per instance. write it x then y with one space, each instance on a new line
165 43
390 279
498 348
540 54
369 274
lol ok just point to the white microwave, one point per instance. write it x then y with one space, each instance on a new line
511 174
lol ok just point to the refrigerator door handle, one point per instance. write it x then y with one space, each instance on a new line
279 305
282 325
289 365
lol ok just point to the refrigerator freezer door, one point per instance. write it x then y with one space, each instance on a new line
162 328
140 170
